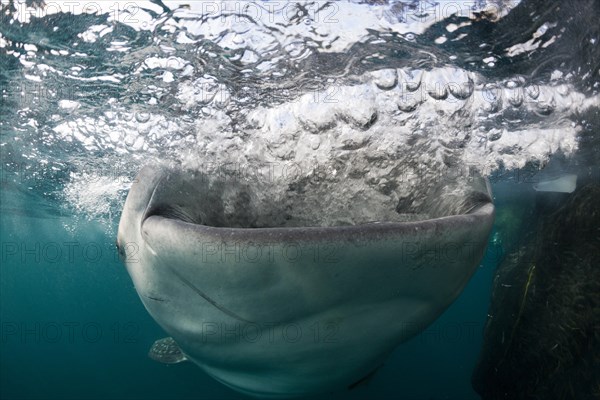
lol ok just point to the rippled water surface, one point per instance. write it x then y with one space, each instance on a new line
355 103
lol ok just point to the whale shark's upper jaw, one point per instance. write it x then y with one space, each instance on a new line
192 247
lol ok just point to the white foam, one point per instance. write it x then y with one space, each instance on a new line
392 126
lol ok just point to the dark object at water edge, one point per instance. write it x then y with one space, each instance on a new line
542 337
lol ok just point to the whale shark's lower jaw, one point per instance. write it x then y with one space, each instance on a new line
290 311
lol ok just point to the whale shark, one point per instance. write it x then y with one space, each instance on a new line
286 311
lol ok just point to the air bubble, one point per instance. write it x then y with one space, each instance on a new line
533 91
142 117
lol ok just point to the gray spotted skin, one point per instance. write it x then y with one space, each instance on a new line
288 312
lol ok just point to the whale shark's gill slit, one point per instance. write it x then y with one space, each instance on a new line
205 297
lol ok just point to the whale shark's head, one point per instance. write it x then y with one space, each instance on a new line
210 264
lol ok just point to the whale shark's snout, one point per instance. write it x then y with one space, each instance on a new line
279 310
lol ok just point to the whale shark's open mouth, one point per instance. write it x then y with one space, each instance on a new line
210 258
219 201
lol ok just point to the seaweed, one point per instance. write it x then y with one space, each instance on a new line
542 339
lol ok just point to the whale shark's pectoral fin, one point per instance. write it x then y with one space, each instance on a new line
166 351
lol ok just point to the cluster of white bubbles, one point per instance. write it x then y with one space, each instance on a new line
244 105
